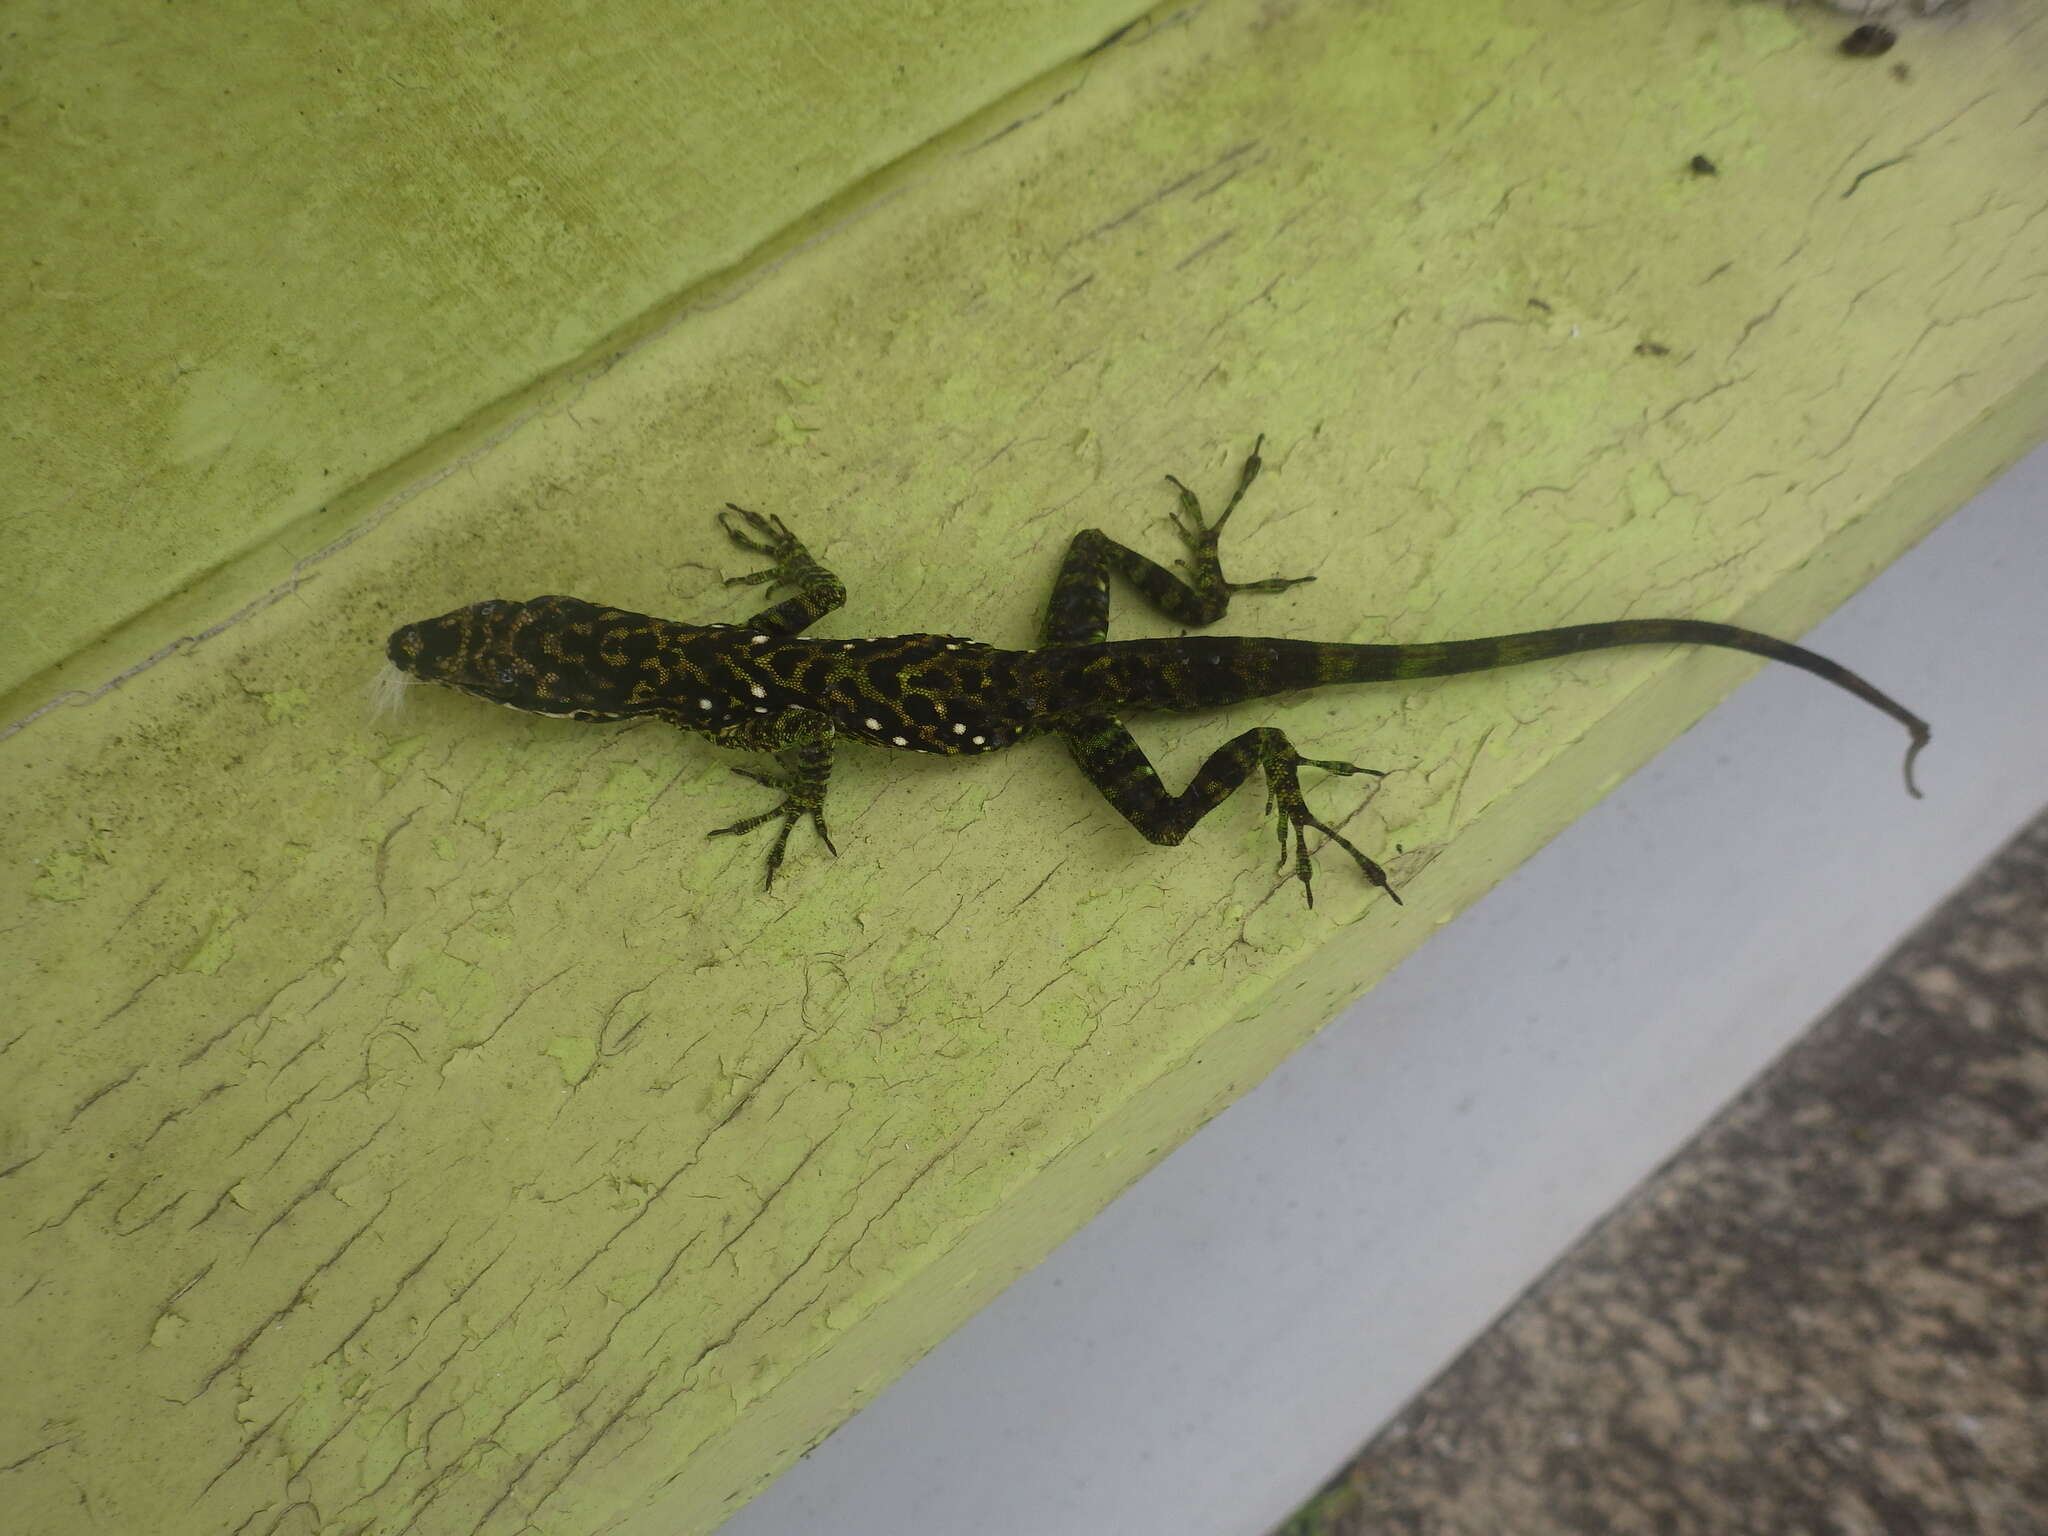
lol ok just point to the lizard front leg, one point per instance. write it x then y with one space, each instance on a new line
818 591
1117 765
802 742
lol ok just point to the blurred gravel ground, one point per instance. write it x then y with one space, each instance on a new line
1827 1314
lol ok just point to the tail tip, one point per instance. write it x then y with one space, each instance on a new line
1920 739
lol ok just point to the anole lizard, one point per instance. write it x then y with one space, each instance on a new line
763 685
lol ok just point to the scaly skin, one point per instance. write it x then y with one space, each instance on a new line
765 686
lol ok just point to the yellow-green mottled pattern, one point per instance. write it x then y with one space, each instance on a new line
323 1235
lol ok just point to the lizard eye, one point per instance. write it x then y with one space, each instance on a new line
491 608
507 676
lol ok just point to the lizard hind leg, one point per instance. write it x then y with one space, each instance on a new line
1117 766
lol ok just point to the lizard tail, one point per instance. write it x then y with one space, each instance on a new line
1442 659
1208 670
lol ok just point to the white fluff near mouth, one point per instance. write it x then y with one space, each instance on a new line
387 690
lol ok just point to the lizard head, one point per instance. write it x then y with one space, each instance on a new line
541 656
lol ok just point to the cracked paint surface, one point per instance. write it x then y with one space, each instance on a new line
417 1126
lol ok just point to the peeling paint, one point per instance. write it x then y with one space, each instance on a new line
217 945
575 1055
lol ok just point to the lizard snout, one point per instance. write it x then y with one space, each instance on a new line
404 647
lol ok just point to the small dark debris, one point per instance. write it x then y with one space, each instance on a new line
1702 166
1868 41
1539 304
1902 70
1652 349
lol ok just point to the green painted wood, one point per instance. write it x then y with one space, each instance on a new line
416 1126
263 254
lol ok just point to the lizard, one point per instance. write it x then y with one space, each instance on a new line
764 685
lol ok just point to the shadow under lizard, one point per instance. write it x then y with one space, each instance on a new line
763 685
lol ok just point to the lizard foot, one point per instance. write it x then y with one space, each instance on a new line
766 535
1201 535
797 805
1283 796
